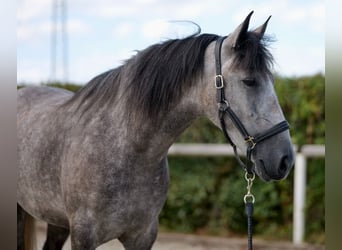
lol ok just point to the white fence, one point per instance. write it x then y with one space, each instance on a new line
302 154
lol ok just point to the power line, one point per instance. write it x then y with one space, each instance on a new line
59 31
65 40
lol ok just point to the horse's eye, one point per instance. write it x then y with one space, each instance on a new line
249 81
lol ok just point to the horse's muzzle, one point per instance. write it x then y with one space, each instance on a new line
272 169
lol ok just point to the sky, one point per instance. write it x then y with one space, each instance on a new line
102 34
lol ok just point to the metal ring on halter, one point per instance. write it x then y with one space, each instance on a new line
248 196
251 140
223 105
248 178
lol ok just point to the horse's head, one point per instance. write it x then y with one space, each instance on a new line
248 90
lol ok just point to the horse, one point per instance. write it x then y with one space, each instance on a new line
93 165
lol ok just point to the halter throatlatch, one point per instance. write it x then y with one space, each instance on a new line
225 109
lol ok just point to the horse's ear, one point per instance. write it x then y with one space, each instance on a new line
260 31
239 34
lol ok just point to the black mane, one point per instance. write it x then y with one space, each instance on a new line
162 72
155 78
152 80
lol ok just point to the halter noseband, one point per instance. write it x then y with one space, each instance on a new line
224 108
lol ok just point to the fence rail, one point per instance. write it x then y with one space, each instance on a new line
302 154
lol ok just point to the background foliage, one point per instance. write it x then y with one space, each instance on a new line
205 194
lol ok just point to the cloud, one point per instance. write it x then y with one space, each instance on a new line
160 30
309 15
32 32
311 60
144 9
124 29
32 9
306 13
112 9
32 71
35 31
97 62
155 29
77 26
193 9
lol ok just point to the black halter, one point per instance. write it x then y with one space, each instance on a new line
224 108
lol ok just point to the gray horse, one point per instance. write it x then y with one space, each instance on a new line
94 164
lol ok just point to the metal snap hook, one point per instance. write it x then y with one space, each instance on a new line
249 196
249 178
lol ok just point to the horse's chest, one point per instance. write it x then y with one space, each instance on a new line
140 185
135 198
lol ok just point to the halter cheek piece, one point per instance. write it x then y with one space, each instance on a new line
225 109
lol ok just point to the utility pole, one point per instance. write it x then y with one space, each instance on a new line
59 40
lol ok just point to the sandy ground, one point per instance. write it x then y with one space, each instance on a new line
172 241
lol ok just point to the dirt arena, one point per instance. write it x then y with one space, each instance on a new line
172 241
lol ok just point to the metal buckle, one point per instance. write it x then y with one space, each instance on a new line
251 140
221 81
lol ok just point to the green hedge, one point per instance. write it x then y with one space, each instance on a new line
206 193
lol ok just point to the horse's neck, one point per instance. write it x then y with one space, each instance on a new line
132 135
147 139
153 137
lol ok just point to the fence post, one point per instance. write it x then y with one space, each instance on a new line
299 199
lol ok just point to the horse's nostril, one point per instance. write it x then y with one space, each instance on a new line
284 165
